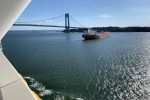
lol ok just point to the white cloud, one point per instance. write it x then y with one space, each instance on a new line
105 16
143 10
140 9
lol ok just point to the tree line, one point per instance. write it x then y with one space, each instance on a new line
114 29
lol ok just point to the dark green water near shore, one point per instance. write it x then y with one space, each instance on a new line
114 68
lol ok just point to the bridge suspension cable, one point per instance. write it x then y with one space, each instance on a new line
43 19
76 21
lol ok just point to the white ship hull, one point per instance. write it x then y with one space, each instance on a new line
12 85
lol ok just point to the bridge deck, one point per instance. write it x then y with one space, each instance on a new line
38 25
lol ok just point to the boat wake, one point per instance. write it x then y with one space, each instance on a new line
44 93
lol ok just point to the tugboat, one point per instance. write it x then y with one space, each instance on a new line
90 34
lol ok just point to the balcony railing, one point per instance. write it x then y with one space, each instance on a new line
0 46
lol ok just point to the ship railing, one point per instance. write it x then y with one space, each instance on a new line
0 46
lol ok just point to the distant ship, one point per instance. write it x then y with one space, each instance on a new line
89 35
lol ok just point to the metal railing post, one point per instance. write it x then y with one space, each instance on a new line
1 46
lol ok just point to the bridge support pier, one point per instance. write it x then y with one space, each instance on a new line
67 23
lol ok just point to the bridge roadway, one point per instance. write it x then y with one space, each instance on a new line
38 25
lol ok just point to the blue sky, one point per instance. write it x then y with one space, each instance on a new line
90 12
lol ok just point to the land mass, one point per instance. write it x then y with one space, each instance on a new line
114 29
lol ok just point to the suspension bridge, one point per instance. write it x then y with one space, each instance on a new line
66 25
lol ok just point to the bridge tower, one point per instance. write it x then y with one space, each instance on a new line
67 23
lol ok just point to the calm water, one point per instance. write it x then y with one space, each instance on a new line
115 68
